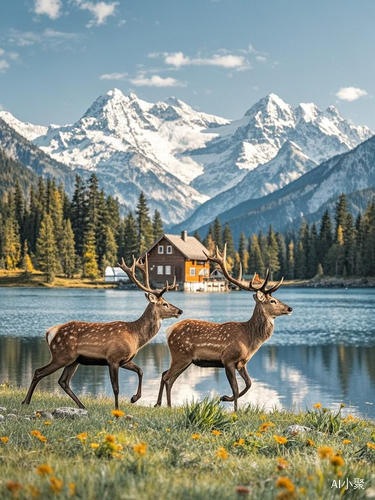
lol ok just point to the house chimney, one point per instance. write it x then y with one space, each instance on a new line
184 235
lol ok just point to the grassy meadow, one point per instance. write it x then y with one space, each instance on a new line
200 451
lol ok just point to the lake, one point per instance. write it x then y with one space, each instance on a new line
324 352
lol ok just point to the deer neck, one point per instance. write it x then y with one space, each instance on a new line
260 325
148 325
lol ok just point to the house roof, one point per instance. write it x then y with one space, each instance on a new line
190 247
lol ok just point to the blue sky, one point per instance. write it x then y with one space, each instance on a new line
57 56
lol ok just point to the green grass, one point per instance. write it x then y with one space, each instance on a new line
176 465
17 278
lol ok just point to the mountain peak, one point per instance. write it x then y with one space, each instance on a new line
307 111
271 105
115 93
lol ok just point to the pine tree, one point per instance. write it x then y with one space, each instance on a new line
79 214
197 236
256 263
11 244
110 250
312 257
68 256
90 258
272 252
340 214
217 233
157 225
46 248
144 225
228 239
300 261
130 239
291 262
27 264
282 255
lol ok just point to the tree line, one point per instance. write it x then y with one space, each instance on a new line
45 230
337 246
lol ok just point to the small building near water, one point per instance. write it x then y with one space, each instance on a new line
114 275
181 256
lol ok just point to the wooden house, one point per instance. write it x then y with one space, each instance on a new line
181 256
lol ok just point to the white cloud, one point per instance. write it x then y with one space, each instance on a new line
4 65
2 52
231 61
156 81
100 10
50 8
261 58
350 93
48 38
113 76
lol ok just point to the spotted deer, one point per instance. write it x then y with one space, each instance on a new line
227 345
113 344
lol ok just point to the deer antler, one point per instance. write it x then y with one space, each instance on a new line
143 266
221 258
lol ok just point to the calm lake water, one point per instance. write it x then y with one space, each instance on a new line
324 352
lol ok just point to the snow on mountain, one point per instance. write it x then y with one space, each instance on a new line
256 138
27 130
346 173
289 164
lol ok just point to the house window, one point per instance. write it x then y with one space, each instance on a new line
160 269
169 249
167 269
160 249
192 271
201 263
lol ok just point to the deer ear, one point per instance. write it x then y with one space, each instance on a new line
151 298
260 296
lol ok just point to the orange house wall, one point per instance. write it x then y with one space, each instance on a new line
198 268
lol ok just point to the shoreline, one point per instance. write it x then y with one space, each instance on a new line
16 279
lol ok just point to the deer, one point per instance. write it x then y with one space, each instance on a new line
225 345
113 344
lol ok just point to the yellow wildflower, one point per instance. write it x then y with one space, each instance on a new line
370 445
282 463
38 435
280 439
167 429
47 422
35 433
317 405
94 445
118 413
310 442
34 492
13 487
140 449
4 439
216 432
285 482
195 436
240 442
263 417
346 441
265 425
110 438
44 469
38 415
56 484
336 460
222 453
72 489
302 491
325 452
82 437
349 418
258 434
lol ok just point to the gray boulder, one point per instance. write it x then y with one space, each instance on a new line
67 412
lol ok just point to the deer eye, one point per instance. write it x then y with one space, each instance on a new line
165 304
273 301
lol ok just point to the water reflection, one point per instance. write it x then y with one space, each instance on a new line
283 376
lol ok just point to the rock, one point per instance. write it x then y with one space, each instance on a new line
294 430
2 409
129 417
11 415
67 412
2 418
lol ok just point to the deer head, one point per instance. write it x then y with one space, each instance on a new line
271 306
159 305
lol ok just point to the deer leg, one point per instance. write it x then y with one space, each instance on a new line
134 368
230 372
244 374
38 375
64 382
113 373
172 374
162 384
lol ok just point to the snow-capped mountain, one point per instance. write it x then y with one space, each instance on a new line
289 164
346 173
27 130
256 138
181 157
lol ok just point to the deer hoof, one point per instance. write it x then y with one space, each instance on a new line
156 405
226 398
134 398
